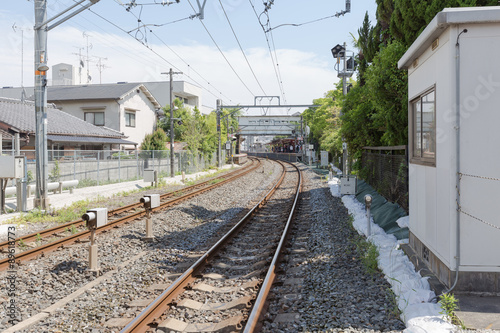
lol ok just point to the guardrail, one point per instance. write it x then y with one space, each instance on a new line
55 186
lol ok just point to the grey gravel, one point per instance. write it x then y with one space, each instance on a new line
337 294
179 232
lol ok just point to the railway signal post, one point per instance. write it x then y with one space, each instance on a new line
95 218
150 201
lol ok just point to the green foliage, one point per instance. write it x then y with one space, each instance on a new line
358 126
55 173
410 17
449 305
30 176
388 92
368 254
155 141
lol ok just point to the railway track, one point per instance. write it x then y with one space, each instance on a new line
226 289
77 230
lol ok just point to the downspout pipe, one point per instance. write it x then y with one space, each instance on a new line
457 128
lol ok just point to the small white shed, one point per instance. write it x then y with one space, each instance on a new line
454 145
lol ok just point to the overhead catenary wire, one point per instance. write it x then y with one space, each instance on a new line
221 95
222 53
241 48
275 63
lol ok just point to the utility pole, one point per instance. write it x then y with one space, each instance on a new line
41 68
345 153
172 157
219 147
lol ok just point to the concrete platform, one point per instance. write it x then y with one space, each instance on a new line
479 312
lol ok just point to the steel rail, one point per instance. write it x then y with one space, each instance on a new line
63 227
254 321
153 312
52 246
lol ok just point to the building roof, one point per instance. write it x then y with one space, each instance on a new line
97 92
5 135
21 116
444 19
88 139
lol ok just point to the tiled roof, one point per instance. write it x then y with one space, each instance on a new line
22 116
91 91
88 139
96 92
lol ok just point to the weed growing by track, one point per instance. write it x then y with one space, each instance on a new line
449 306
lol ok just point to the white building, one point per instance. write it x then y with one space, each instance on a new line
454 99
128 108
63 75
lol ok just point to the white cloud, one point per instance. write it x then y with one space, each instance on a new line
305 76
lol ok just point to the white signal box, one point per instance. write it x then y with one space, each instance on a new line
11 167
149 176
348 185
151 200
96 217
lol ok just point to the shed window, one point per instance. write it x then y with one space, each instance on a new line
423 117
130 119
96 118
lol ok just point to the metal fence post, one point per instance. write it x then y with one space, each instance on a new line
74 164
120 166
137 159
98 157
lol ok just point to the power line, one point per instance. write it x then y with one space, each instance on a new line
278 68
163 58
239 44
222 53
275 63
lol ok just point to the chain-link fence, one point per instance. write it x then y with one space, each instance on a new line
386 170
99 167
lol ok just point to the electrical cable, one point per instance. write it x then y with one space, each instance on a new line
241 48
275 64
164 59
222 53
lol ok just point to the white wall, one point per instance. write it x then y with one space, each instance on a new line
145 117
480 141
432 189
111 110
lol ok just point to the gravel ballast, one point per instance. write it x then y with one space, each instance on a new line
334 292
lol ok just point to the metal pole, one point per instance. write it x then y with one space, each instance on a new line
219 148
302 134
98 158
171 94
345 153
172 158
74 164
41 200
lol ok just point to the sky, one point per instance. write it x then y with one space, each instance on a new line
138 44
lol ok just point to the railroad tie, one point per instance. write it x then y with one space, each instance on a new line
239 303
228 325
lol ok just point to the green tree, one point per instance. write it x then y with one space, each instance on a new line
358 126
368 42
388 92
154 141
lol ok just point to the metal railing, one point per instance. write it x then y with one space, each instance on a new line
99 167
386 170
